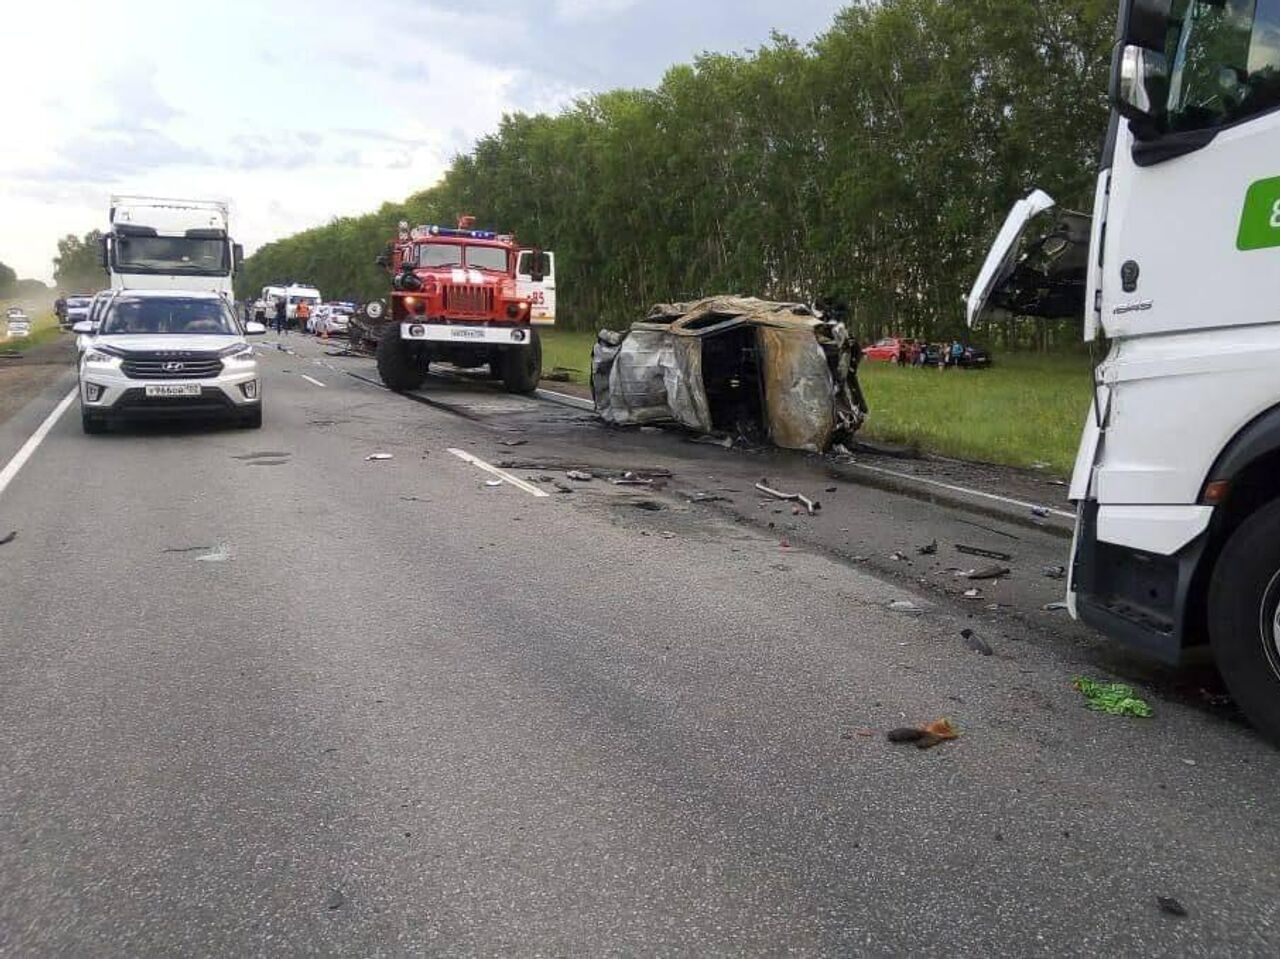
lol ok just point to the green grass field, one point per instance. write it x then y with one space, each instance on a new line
1026 409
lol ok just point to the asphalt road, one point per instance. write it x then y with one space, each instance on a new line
262 695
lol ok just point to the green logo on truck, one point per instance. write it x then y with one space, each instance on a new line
1260 222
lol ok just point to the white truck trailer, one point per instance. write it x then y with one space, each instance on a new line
1177 479
159 243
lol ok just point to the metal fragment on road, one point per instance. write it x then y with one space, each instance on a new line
219 554
811 505
986 572
378 456
1054 607
984 553
580 476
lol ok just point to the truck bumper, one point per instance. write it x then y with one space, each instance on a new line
467 333
1143 599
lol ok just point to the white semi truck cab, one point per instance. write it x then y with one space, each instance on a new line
158 243
1177 479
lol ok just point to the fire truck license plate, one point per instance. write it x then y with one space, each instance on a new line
463 333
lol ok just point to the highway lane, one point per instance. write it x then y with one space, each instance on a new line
262 694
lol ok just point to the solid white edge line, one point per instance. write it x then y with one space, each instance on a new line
310 379
963 489
35 439
503 475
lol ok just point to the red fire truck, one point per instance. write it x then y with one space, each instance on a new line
467 297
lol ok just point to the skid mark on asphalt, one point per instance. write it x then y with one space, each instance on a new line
501 474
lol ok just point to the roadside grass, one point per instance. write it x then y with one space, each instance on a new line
569 349
44 327
1024 410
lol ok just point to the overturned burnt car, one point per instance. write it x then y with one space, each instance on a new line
752 369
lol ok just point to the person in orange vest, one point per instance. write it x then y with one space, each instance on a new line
304 313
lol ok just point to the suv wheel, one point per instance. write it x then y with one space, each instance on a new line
398 365
1244 618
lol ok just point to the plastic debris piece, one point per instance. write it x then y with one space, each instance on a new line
1171 906
1116 699
492 483
899 557
928 550
1053 572
976 642
986 572
219 554
1054 607
581 476
973 594
1040 511
905 606
378 456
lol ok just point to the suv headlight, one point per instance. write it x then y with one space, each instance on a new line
98 358
239 353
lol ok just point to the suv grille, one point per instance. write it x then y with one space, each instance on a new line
171 365
468 299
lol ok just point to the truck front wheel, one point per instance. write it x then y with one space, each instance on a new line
1244 618
521 367
399 364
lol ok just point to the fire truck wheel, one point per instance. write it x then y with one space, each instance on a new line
398 367
1244 618
522 366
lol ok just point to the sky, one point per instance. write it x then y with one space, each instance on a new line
297 111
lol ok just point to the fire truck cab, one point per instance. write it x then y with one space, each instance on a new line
467 297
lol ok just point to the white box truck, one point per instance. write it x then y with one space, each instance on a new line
1177 479
158 243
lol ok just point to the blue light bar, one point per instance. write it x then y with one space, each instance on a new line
450 231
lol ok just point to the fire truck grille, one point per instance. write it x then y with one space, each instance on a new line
468 300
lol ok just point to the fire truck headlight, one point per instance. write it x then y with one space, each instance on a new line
417 330
410 302
517 336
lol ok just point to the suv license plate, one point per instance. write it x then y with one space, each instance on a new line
173 389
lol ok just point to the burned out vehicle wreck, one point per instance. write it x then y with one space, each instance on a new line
753 370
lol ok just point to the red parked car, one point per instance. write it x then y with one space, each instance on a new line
892 349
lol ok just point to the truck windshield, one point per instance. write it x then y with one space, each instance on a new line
487 258
439 254
178 255
153 315
1224 62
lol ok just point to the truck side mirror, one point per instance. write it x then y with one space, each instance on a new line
237 257
103 254
1139 82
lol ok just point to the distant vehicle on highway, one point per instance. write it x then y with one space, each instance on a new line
17 323
331 319
77 309
96 308
161 353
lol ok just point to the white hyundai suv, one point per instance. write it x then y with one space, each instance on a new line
163 353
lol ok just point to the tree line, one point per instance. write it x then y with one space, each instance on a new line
871 166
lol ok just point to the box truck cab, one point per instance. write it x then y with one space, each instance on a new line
1177 478
155 243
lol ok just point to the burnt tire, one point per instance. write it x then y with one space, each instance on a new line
398 363
1244 618
521 367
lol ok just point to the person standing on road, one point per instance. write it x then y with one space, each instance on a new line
304 314
280 324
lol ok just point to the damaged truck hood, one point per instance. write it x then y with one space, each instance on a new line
1037 266
755 369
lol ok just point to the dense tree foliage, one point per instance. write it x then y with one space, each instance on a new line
8 280
78 266
874 165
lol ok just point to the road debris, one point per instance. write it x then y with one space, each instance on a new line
984 553
929 550
1053 572
378 456
1171 906
976 642
1054 607
8 538
1041 512
700 497
512 442
492 483
811 505
219 554
973 594
1116 699
986 572
899 557
776 371
667 534
905 606
186 549
562 487
580 476
925 737
712 439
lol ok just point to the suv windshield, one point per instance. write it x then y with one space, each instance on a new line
171 254
1223 60
168 314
